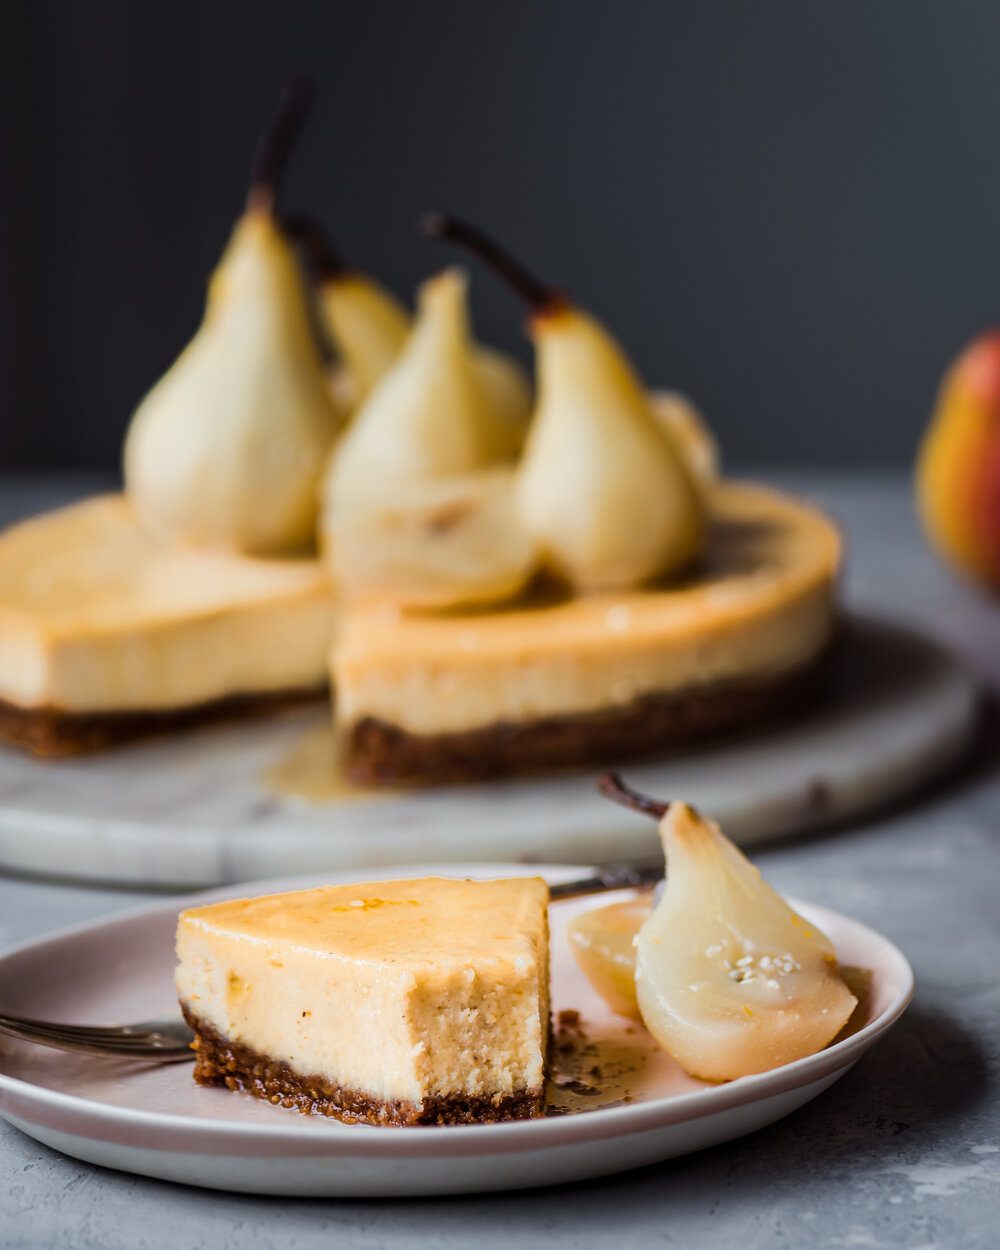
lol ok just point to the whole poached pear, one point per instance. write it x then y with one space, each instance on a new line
958 467
428 416
227 448
370 328
602 489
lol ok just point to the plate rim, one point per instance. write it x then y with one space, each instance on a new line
217 1135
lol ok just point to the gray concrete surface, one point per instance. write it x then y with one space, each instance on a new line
904 1152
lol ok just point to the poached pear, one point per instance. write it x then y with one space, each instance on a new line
602 487
427 417
366 323
369 328
690 433
227 449
416 508
729 979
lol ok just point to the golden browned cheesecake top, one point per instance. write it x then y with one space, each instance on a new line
93 565
97 614
430 921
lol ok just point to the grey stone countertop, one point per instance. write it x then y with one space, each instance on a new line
903 1152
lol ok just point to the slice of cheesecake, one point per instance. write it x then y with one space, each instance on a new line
557 680
107 632
388 1002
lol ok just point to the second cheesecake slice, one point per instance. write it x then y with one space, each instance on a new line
392 1002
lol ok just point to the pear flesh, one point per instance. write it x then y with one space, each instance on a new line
442 543
227 449
603 941
603 489
729 979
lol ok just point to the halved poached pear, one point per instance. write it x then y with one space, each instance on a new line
730 980
431 544
603 941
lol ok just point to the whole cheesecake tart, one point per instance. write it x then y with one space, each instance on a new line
556 679
108 631
389 1002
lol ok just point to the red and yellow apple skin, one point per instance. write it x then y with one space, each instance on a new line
958 468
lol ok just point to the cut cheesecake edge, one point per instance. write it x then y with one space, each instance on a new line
54 733
221 1061
381 754
556 680
389 1003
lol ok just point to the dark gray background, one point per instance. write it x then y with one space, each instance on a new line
790 210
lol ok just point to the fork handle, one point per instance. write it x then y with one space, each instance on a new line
66 1037
612 877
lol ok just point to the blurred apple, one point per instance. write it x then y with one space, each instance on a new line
958 467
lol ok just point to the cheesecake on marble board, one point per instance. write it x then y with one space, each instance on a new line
109 632
555 679
389 1003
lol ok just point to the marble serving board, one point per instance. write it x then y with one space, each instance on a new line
264 798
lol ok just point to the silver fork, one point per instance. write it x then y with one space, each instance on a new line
168 1039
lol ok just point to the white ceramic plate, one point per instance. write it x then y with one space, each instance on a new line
155 1121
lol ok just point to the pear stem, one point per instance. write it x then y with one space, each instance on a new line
539 297
324 261
613 787
277 143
